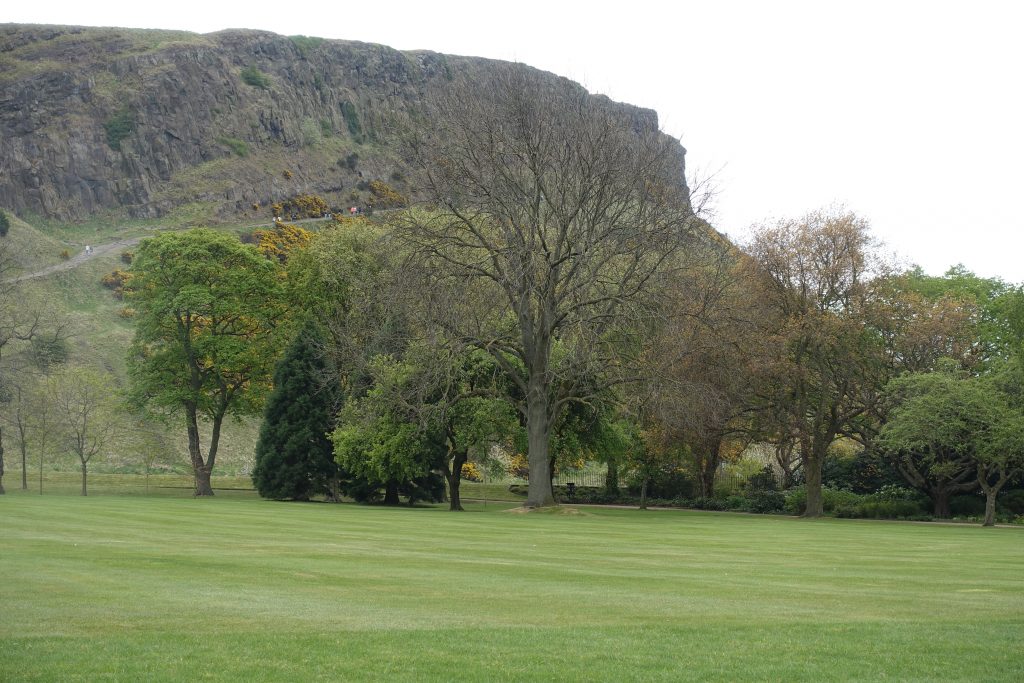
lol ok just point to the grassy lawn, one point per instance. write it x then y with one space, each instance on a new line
171 588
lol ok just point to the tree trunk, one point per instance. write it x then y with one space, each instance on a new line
538 437
84 474
643 493
199 468
391 493
455 481
708 465
611 478
812 472
940 501
991 492
990 507
24 466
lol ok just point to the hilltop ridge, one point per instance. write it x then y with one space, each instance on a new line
148 123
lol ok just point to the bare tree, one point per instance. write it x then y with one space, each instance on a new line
707 360
553 220
817 272
20 321
84 405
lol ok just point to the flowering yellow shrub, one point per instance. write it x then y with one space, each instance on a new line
471 472
519 466
384 196
279 241
302 206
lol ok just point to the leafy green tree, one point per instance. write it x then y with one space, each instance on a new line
942 424
423 413
294 456
5 223
209 315
382 449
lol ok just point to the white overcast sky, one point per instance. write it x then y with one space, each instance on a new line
911 114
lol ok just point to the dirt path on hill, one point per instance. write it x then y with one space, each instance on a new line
81 257
77 260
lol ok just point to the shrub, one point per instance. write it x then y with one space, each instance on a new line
762 481
519 466
765 501
64 255
48 352
667 482
967 505
127 312
708 504
350 161
5 223
470 472
305 44
256 78
796 499
302 206
115 281
1012 501
235 145
351 116
311 132
736 503
384 196
118 127
286 174
127 256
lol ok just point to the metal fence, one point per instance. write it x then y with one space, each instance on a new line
588 476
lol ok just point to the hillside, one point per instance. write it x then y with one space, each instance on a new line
112 124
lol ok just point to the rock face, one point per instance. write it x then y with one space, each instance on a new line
124 122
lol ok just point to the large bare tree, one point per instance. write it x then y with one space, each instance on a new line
553 221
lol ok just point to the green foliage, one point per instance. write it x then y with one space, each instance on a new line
5 223
351 116
765 501
208 321
305 44
46 352
350 161
762 481
1001 306
239 147
119 127
254 77
312 134
294 457
796 499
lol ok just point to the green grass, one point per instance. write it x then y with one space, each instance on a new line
161 588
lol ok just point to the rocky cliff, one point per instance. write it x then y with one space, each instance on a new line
122 122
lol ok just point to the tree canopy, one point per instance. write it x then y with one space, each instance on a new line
209 314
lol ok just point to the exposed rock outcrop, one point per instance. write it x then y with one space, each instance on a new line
146 123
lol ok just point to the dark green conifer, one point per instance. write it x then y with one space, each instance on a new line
294 456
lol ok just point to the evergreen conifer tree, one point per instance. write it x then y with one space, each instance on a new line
294 456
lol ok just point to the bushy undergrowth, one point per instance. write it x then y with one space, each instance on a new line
889 502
